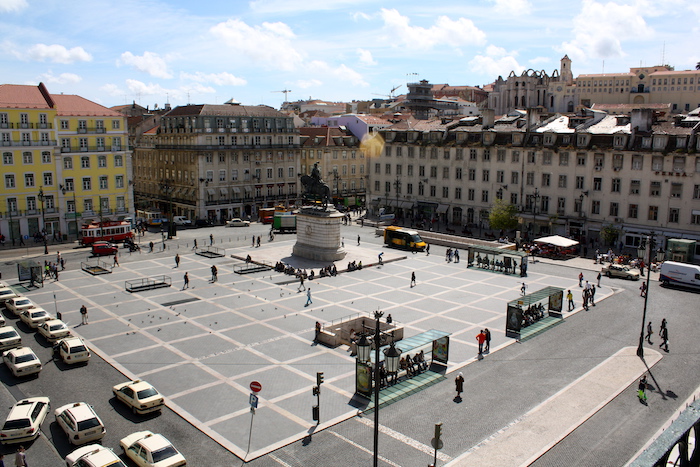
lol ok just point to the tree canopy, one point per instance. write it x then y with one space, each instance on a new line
503 216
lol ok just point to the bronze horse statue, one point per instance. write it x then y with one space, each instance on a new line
315 189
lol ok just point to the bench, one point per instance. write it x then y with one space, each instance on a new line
249 268
100 267
149 283
210 252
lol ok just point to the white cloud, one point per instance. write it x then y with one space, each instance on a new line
445 31
13 5
269 44
58 54
540 60
220 79
63 78
339 74
496 61
112 89
310 83
149 62
600 29
366 57
512 7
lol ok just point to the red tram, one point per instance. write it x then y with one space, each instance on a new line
110 231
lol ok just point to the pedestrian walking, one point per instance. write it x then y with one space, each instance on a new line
21 240
570 299
413 279
63 264
58 257
308 297
456 255
318 331
650 332
641 390
580 279
591 295
480 339
301 283
253 243
211 239
487 347
258 241
643 290
116 260
150 245
177 260
358 240
664 339
427 249
84 314
599 276
214 273
663 326
584 295
194 245
20 457
187 281
459 385
380 257
523 288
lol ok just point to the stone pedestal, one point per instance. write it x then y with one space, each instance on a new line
318 235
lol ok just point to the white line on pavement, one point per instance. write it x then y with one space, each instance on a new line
405 439
362 448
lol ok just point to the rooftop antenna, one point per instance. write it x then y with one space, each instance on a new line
285 91
663 54
408 76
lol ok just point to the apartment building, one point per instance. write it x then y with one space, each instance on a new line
216 162
567 174
65 162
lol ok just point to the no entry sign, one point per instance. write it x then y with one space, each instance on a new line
255 386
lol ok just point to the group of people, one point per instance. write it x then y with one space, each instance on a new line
352 266
663 334
451 254
484 340
255 242
588 295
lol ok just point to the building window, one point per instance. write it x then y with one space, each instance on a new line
485 174
634 187
580 182
116 124
7 158
546 179
387 151
531 157
101 161
653 213
695 219
615 185
48 179
432 190
637 162
85 162
515 157
676 190
87 205
500 175
472 175
581 159
64 125
547 158
9 181
458 193
46 157
679 164
514 198
470 194
446 154
103 182
674 215
655 189
501 155
458 173
696 192
27 158
87 184
472 154
617 161
409 188
487 154
561 205
530 178
657 163
31 203
544 204
614 209
28 180
564 158
69 184
562 181
433 171
433 153
445 172
484 196
445 192
595 207
514 177
632 211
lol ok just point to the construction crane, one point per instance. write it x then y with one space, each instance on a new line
286 91
391 93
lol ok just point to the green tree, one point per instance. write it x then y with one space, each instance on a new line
609 234
503 216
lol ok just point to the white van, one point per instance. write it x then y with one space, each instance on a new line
682 274
181 220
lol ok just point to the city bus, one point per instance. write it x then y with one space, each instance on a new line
109 231
153 218
398 237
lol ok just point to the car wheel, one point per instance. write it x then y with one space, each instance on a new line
607 273
133 410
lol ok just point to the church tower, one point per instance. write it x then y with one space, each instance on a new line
565 73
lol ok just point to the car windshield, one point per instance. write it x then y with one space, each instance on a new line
25 358
116 463
78 349
8 335
163 454
22 302
6 292
87 424
16 424
150 392
37 314
57 327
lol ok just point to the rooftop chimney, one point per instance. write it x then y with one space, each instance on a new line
642 119
487 118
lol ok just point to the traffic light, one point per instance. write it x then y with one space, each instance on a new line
319 379
316 390
438 430
315 413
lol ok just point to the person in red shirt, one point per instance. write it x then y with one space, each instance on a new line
481 338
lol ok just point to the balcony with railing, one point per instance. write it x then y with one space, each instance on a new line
26 126
46 142
85 131
68 149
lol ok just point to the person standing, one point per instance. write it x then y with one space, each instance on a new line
413 279
187 281
570 299
481 338
258 241
641 390
643 290
358 240
523 288
194 246
487 333
308 297
301 283
599 276
591 295
663 326
253 244
214 273
459 385
584 295
84 314
650 332
20 457
116 260
580 279
456 255
427 249
211 239
177 260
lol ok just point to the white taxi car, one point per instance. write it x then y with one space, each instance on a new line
93 455
72 350
139 395
6 293
54 329
147 449
9 339
22 361
24 420
80 423
18 304
33 317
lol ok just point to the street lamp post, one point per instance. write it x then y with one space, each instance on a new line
166 186
644 252
43 220
535 197
392 363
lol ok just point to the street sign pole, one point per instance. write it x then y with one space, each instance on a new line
256 387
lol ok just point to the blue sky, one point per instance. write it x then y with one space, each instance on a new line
150 51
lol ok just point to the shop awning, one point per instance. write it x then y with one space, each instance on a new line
248 188
236 189
223 191
211 191
405 204
442 208
557 240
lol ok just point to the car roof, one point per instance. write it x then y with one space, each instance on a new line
81 411
22 351
73 341
7 328
19 297
138 385
154 441
23 408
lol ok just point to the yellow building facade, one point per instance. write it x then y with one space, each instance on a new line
65 161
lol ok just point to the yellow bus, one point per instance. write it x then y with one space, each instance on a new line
398 237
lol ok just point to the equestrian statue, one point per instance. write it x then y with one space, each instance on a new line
315 189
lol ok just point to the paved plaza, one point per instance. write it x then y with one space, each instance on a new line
203 345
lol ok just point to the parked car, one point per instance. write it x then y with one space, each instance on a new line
9 338
236 222
618 270
22 361
93 455
182 221
53 330
6 293
104 248
139 395
79 422
24 421
18 304
72 350
148 449
202 223
33 317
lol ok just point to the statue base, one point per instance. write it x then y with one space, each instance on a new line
318 234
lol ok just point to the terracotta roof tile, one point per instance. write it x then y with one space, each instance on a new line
76 106
18 96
